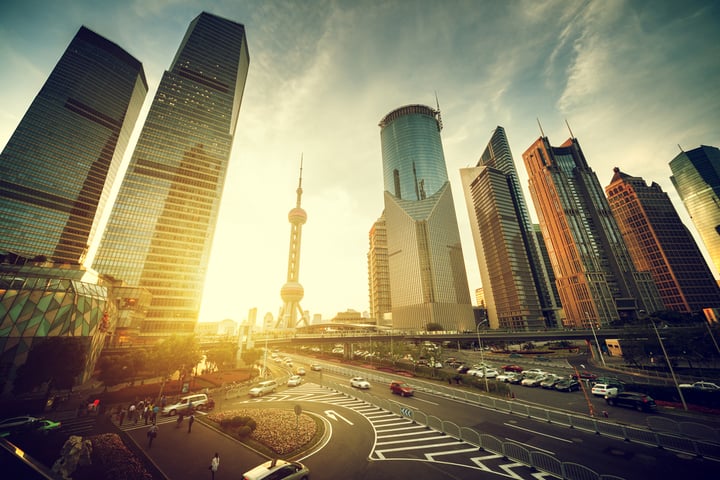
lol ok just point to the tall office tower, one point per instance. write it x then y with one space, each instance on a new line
428 282
59 164
379 271
696 177
595 277
518 292
160 231
659 242
292 291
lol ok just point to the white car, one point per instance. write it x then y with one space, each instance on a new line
489 372
294 381
534 371
604 389
532 380
506 376
359 382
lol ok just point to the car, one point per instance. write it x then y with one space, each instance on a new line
186 404
550 381
516 379
584 375
359 382
278 469
704 386
300 371
401 388
316 367
567 385
513 368
18 424
534 371
47 426
268 386
462 369
639 401
294 381
507 377
603 389
532 380
482 373
612 380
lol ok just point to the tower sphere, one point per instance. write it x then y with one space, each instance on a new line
292 292
297 216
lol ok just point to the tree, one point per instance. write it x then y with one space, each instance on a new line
175 354
221 354
252 356
117 369
56 361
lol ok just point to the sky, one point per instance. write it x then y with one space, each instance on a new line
635 80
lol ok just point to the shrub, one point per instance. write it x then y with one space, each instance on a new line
244 431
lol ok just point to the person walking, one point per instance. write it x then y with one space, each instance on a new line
122 415
214 465
151 434
191 419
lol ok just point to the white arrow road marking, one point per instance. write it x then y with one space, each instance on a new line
333 415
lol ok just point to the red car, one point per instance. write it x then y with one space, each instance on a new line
401 388
584 375
513 368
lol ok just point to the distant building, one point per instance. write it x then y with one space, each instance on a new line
660 243
428 282
59 165
517 289
160 230
595 276
379 270
696 177
349 317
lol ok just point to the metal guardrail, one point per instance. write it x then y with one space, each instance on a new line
660 436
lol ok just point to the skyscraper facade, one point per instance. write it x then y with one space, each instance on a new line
696 177
161 228
428 282
595 276
660 243
379 271
518 292
59 164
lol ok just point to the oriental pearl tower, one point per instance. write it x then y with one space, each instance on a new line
292 292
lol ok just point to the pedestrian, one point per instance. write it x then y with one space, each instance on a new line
122 415
191 419
131 413
214 465
155 412
146 413
151 434
179 420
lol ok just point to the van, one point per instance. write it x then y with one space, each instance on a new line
197 401
268 386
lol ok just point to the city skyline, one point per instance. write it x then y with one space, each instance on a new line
634 80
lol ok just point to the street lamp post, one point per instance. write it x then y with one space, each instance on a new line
592 327
482 359
669 363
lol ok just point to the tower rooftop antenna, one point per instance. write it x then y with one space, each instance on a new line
541 130
439 116
299 189
569 129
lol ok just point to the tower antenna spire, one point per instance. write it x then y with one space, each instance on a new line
541 130
439 116
569 129
299 189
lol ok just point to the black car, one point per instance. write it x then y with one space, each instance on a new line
568 385
639 401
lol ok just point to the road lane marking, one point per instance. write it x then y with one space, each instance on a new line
537 433
332 414
533 447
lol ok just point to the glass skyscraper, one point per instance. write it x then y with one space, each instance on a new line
428 282
517 287
696 177
660 243
59 165
161 228
596 279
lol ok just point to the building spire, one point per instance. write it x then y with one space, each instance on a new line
439 117
299 189
541 130
569 129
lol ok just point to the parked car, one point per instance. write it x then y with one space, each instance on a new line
534 371
550 381
488 372
603 389
359 382
47 426
401 388
513 368
532 380
315 367
18 424
463 369
516 379
294 381
567 385
636 400
507 377
278 469
704 386
268 386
